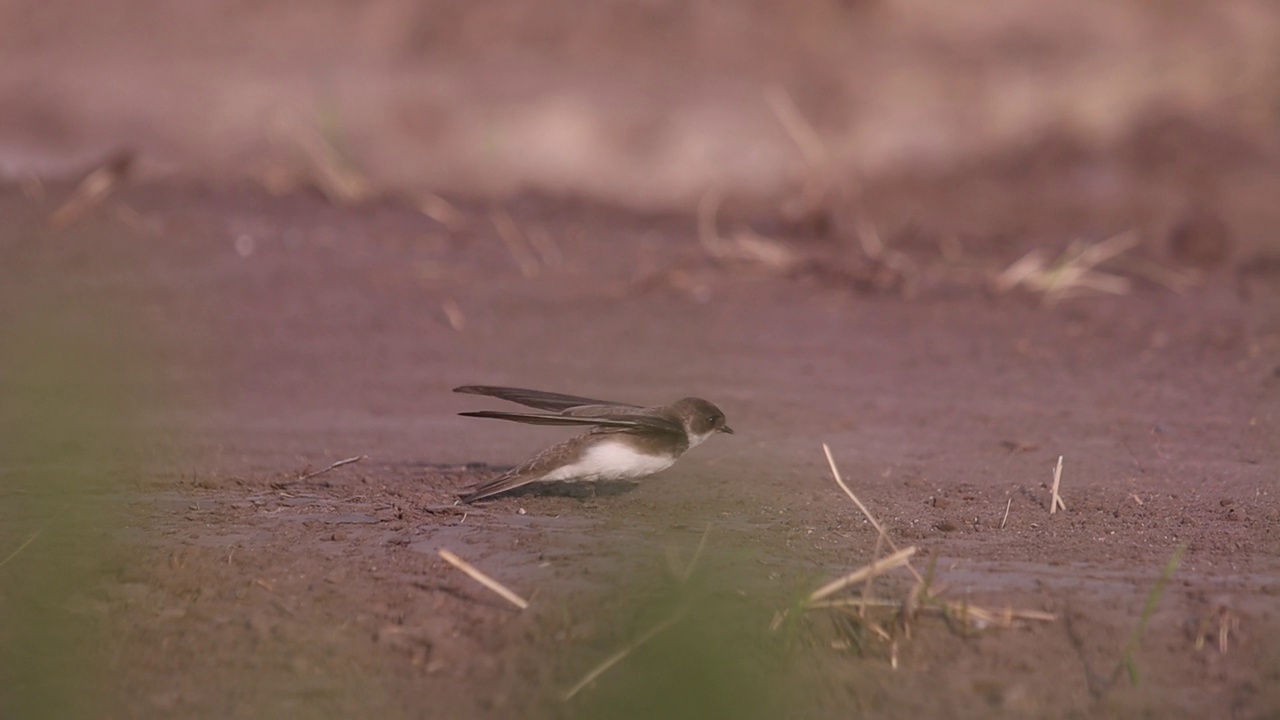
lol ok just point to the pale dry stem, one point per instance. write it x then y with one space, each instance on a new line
92 190
835 472
334 466
619 656
515 242
1056 501
20 548
897 559
1074 271
475 574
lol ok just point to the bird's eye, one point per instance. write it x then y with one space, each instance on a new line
713 419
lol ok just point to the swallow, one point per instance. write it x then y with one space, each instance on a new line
623 442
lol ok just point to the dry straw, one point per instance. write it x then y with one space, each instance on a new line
21 547
334 466
922 598
475 574
453 313
618 657
1056 501
1072 273
835 473
649 634
93 190
517 244
864 573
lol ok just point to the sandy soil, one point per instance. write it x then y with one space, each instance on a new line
180 358
252 338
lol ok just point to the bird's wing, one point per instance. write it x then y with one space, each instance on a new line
610 420
554 402
498 485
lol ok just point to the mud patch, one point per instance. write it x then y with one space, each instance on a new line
237 589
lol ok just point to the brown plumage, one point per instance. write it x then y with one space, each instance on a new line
624 441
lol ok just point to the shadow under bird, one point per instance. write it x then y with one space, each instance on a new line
624 442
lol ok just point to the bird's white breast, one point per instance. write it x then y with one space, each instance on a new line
611 461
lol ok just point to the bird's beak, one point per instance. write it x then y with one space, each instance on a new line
726 429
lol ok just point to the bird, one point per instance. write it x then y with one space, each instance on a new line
624 442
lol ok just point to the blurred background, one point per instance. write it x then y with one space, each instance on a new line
646 104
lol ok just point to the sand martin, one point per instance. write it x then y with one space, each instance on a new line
625 441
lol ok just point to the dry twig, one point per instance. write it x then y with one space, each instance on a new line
327 169
801 132
822 177
334 466
835 472
442 211
21 547
546 247
1056 502
921 598
475 574
972 612
1074 271
516 243
743 246
697 555
898 559
91 191
453 314
617 657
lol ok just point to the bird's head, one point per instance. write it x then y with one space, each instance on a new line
701 419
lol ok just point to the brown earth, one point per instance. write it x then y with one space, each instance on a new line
250 338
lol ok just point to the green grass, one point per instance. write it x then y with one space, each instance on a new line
1153 598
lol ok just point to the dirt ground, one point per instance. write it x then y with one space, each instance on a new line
525 194
252 338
